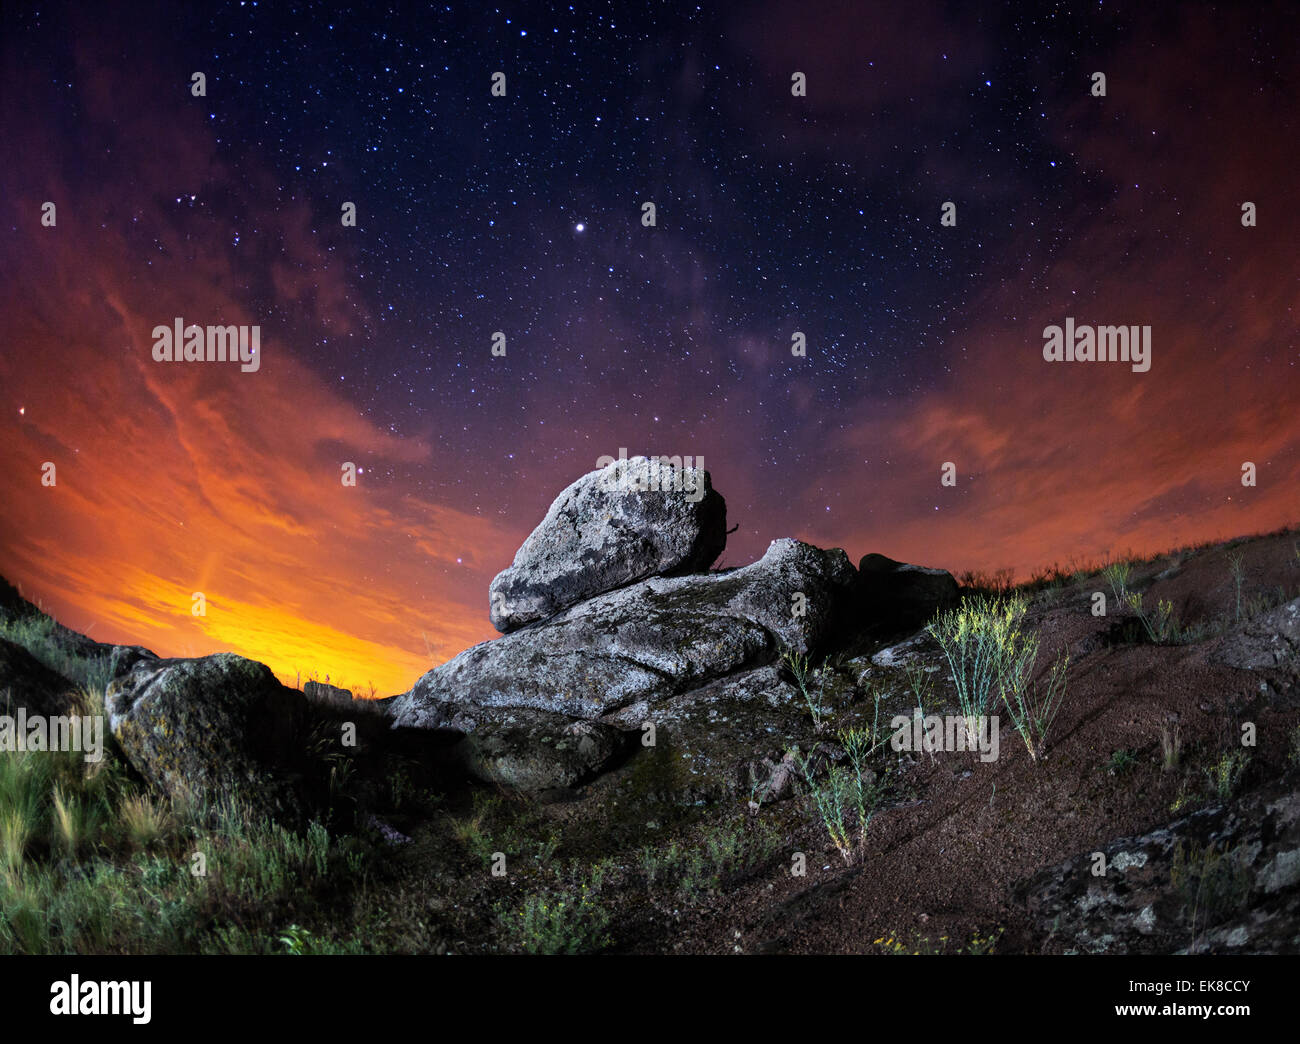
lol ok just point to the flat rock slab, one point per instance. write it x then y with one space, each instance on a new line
633 519
650 641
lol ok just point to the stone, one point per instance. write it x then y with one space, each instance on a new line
650 641
204 730
532 751
903 596
633 519
1225 879
26 682
323 692
1266 642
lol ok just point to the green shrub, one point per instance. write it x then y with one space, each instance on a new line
564 921
848 796
984 647
1225 774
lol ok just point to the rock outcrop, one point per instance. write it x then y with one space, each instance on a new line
1224 880
210 729
323 692
1270 641
647 642
900 595
633 519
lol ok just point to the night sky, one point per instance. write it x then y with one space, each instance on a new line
775 214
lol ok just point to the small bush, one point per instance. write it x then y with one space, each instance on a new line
1117 575
1226 773
567 921
983 644
849 795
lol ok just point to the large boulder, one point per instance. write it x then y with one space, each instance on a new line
646 642
900 595
1225 880
204 730
635 518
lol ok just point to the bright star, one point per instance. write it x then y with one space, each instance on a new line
580 227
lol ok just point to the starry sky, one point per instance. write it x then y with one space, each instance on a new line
775 214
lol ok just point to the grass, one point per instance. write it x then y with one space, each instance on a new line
848 796
90 862
722 855
797 665
1033 705
982 643
1236 561
1212 882
571 920
39 635
1117 575
990 658
1159 624
1171 747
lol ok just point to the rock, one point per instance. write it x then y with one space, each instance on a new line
1225 879
28 683
213 728
911 652
903 596
323 692
723 740
1268 641
633 519
531 750
647 642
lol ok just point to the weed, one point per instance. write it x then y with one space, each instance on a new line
1033 707
567 921
1225 774
1235 563
797 665
1117 575
893 945
982 642
848 797
1121 762
1171 747
1212 882
1160 624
